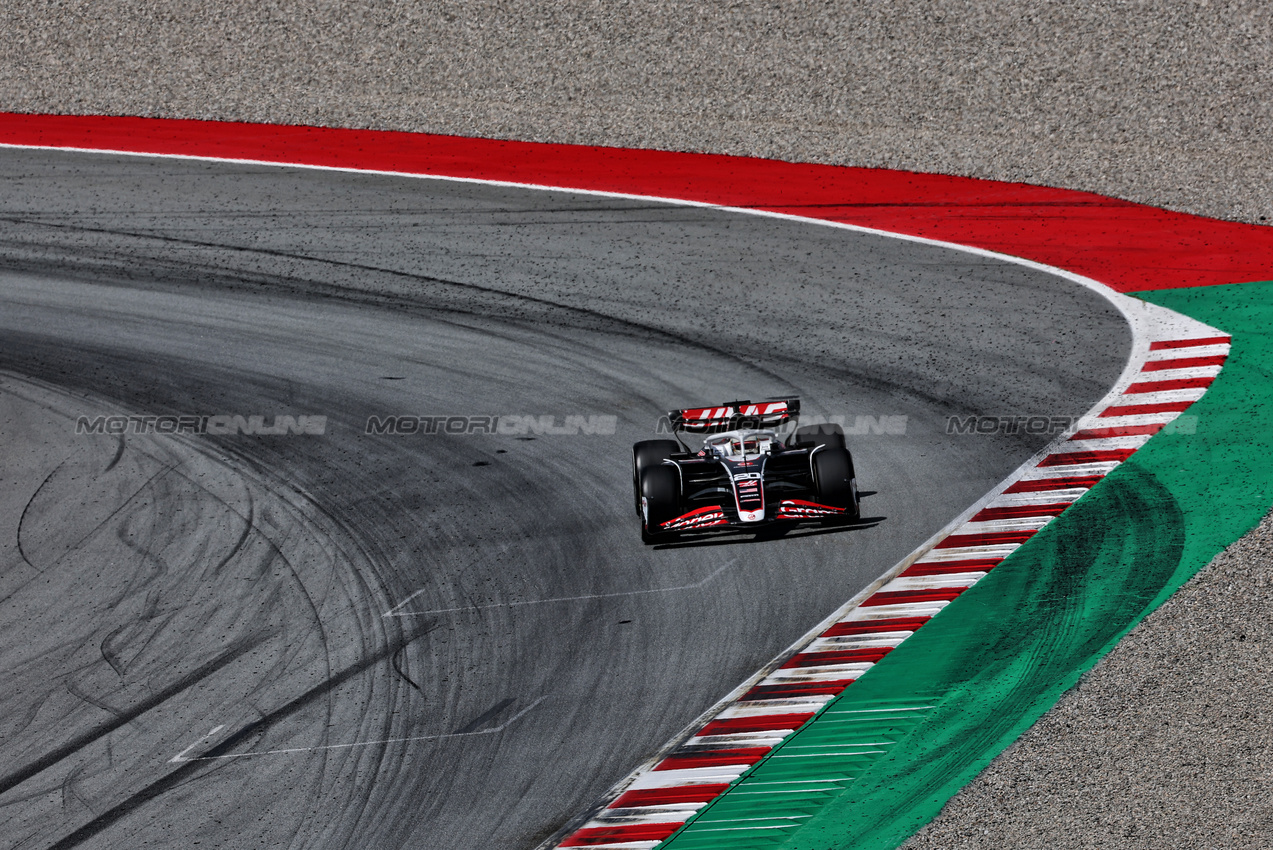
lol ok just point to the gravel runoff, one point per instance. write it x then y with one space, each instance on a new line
1159 101
1165 743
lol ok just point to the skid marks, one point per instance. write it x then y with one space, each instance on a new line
164 587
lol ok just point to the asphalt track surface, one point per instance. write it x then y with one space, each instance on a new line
154 589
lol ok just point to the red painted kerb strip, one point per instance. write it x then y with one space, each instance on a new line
1127 246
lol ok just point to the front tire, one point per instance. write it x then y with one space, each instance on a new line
835 481
660 501
645 455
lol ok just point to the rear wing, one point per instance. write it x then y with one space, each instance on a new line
734 415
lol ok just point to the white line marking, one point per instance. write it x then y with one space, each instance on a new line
181 756
500 728
1183 372
1072 470
1098 444
394 612
768 708
1162 396
1032 523
647 814
942 581
470 563
1213 350
688 777
863 640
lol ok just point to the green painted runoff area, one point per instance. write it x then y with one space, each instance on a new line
884 757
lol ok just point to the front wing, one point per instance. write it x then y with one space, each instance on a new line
717 517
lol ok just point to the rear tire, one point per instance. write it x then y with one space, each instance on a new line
835 481
647 454
826 434
661 493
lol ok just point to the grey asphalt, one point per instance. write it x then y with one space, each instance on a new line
157 588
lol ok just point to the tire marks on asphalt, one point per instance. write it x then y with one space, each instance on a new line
13 778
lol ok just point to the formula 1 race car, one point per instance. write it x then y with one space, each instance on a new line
744 477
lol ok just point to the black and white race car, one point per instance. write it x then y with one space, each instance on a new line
744 477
